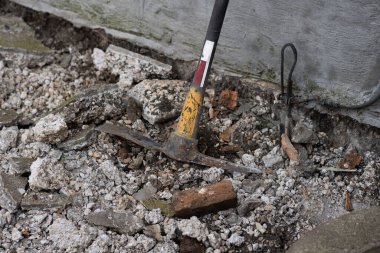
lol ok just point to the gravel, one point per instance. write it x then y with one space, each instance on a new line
86 189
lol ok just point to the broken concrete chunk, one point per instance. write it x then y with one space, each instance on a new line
204 200
212 175
111 171
100 245
123 222
65 234
165 247
148 191
8 117
273 157
82 139
11 189
304 132
154 231
131 67
161 100
247 205
193 228
236 239
20 165
154 216
44 200
48 174
99 58
8 138
94 105
51 129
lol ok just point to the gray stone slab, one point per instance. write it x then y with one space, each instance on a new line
123 222
43 200
8 117
356 232
82 139
11 188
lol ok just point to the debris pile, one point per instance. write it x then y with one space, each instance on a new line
64 186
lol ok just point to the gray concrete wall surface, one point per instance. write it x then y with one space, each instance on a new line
338 42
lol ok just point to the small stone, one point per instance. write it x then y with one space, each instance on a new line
247 205
8 117
272 158
148 191
10 196
111 171
161 100
144 242
250 186
193 228
16 235
100 245
82 139
8 138
212 175
65 234
20 165
236 240
47 173
154 216
99 58
214 240
166 247
248 159
304 132
154 231
51 129
44 200
123 222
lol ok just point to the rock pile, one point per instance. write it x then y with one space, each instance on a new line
63 186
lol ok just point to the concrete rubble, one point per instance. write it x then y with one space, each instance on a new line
161 100
66 187
129 66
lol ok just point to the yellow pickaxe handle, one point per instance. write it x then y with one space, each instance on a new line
192 109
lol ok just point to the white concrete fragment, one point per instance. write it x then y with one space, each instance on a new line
100 245
161 99
51 129
132 67
212 175
236 239
193 228
273 157
99 58
8 138
154 216
111 171
47 173
65 234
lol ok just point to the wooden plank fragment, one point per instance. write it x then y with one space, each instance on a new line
204 200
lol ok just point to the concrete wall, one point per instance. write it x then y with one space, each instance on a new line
338 41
